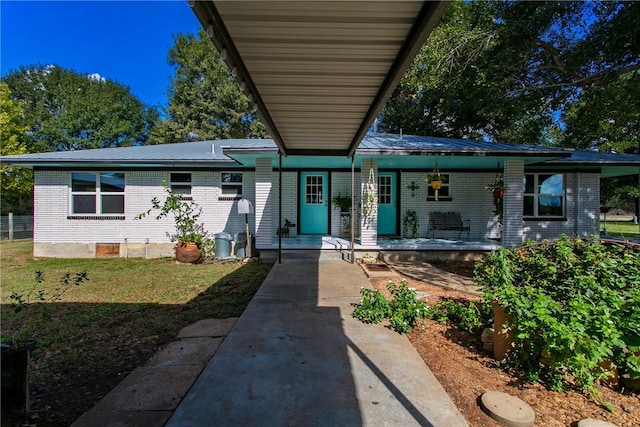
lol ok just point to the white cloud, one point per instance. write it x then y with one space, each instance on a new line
95 77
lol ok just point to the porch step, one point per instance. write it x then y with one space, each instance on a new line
407 256
306 254
394 256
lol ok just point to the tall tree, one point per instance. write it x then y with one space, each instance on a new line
16 184
205 101
526 72
65 110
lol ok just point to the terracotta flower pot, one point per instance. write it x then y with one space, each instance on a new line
436 185
188 252
502 337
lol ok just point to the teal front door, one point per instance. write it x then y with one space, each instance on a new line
314 206
387 211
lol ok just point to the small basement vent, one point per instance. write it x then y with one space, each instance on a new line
107 250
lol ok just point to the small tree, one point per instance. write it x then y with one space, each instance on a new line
186 216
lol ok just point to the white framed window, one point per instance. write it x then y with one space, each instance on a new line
444 193
231 185
180 182
544 195
97 193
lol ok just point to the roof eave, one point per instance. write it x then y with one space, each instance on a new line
67 163
478 153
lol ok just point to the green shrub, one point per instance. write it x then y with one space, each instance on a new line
573 304
471 316
403 310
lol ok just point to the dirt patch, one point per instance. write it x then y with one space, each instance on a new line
466 371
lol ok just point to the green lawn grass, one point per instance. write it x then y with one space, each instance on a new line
621 229
112 323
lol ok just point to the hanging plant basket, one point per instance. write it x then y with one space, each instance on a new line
497 191
435 179
370 198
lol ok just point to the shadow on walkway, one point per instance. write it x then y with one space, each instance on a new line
297 357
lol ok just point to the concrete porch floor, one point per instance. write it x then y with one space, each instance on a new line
343 244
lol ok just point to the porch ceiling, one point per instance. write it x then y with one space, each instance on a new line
318 72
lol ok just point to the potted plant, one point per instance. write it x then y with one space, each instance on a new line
192 239
284 230
342 202
410 221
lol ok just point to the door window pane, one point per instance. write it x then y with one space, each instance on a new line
384 190
313 189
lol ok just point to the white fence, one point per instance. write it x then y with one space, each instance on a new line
16 226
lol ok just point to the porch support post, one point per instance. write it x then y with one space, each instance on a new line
513 224
279 206
369 213
263 205
353 209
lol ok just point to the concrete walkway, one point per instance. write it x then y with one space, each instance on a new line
296 357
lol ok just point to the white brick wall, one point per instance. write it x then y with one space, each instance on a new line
264 206
341 185
469 198
582 210
512 234
52 197
289 202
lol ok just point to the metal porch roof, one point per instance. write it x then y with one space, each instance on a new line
318 71
391 152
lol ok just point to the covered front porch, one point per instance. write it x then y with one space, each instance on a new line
321 245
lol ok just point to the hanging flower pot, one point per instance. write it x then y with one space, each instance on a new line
435 179
497 190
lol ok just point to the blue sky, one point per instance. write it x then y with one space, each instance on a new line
124 41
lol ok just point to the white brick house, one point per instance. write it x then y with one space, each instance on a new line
88 200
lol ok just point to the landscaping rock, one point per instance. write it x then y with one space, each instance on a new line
590 422
507 409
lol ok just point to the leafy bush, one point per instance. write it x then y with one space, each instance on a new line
403 310
573 304
471 316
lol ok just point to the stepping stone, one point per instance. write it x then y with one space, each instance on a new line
208 328
590 422
507 409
